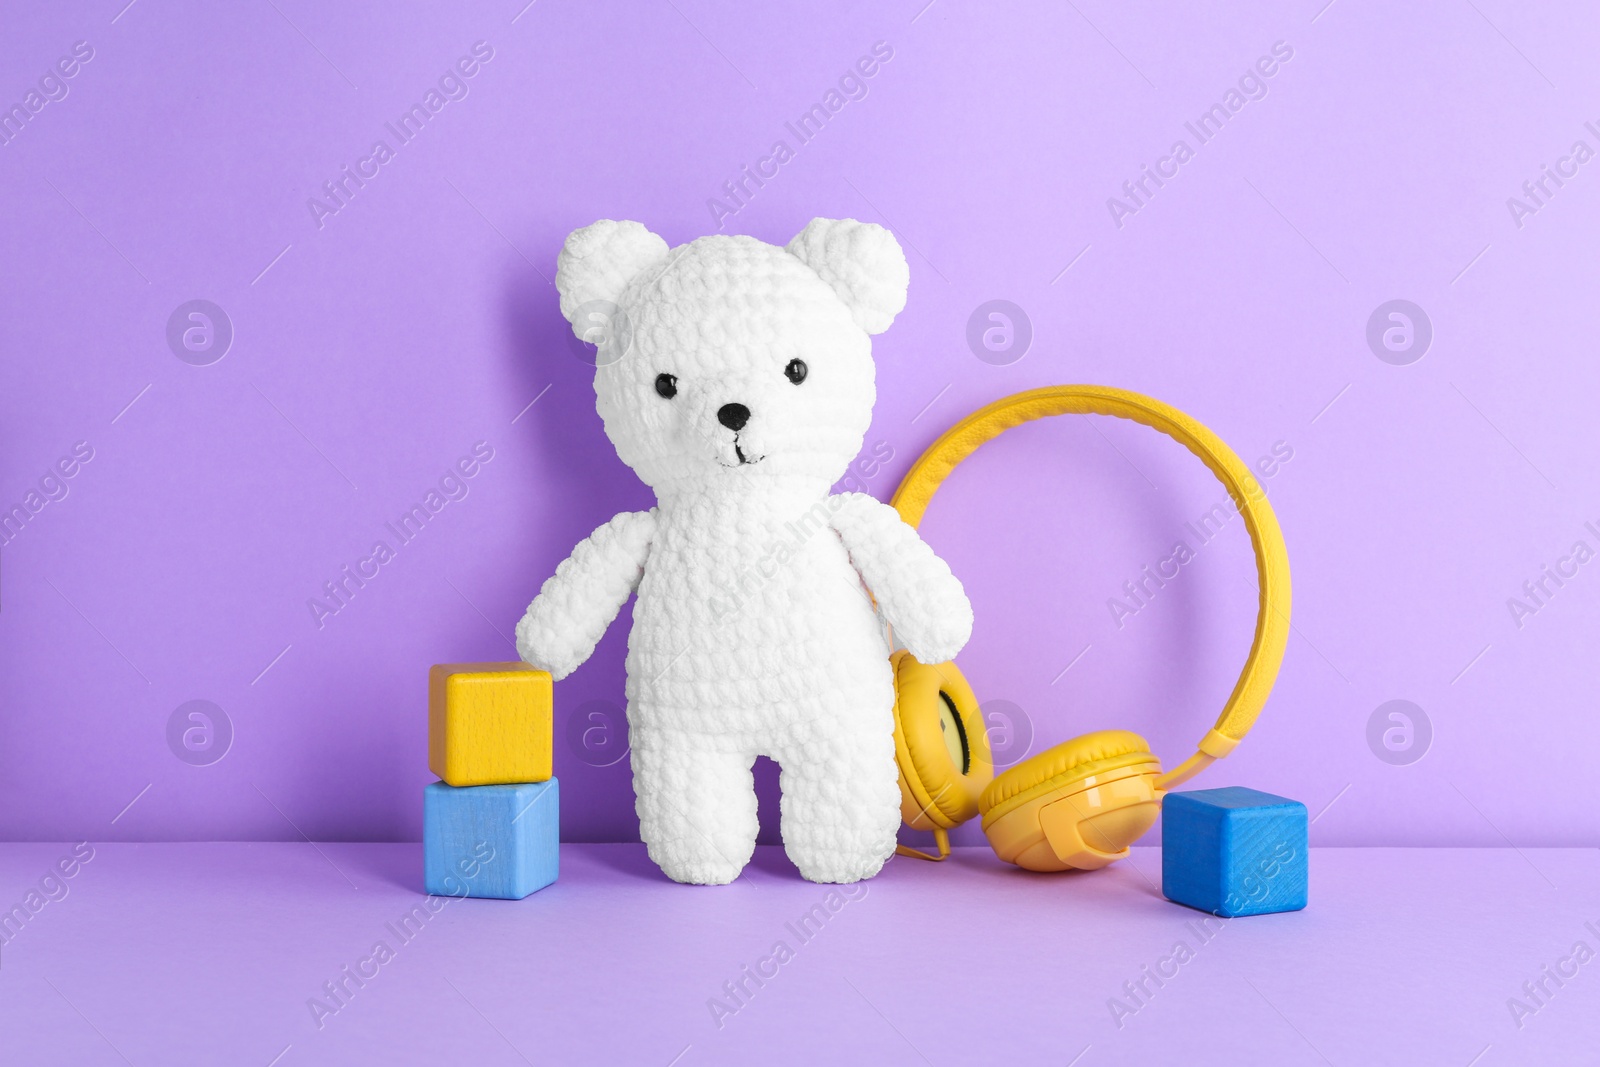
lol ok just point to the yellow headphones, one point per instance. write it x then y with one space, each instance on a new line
1083 802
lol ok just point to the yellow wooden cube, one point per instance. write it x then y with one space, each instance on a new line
489 723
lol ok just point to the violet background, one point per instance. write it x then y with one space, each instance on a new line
371 353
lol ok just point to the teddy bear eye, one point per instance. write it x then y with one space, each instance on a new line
796 371
666 385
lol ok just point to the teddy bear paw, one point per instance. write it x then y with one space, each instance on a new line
694 868
835 867
540 648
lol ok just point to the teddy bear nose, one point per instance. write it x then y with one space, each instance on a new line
733 416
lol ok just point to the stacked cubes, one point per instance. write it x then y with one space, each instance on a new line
490 827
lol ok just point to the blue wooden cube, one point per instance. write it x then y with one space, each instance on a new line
490 840
1233 851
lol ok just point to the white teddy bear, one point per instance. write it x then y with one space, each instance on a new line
736 379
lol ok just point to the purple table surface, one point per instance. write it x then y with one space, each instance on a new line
211 953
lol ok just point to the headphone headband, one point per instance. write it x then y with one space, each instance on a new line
1272 556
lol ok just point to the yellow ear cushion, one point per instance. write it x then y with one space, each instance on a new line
938 791
1097 753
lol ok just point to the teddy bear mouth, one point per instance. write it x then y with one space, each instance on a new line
743 460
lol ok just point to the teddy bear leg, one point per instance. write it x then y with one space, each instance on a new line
696 805
841 802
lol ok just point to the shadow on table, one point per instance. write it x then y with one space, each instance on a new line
632 861
624 858
397 864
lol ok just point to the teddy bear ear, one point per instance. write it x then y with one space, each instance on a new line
599 261
862 262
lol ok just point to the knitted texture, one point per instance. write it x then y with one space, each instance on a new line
739 388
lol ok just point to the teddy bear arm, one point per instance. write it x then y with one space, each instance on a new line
918 595
576 604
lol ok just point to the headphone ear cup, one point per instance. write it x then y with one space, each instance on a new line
1077 805
940 744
